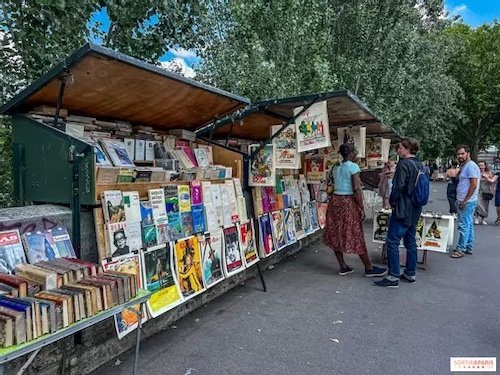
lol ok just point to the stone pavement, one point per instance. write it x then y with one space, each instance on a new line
312 321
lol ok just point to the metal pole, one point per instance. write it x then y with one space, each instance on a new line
138 337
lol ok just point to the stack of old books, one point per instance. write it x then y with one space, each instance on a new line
50 295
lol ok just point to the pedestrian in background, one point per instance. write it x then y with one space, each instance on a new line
467 194
497 199
451 189
405 215
486 193
344 218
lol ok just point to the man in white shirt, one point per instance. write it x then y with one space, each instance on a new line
467 192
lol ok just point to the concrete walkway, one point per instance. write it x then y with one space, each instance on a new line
312 321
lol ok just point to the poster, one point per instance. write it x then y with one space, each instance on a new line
313 209
286 155
435 234
233 262
315 168
291 236
299 225
278 229
126 320
266 236
262 170
159 278
331 155
313 127
188 266
248 244
322 208
377 149
355 135
211 249
380 226
419 232
306 218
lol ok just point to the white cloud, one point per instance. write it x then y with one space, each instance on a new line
183 53
179 65
458 10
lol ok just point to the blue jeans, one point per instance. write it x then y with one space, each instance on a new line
397 231
466 226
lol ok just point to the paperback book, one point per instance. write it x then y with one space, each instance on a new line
211 245
248 244
233 262
11 251
189 267
113 208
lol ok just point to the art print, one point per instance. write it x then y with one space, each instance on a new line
312 127
233 262
266 236
315 168
380 226
278 226
188 266
262 169
211 246
435 234
355 135
291 236
285 147
247 242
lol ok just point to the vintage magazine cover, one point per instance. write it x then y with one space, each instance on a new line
126 321
291 236
285 148
315 168
313 207
159 278
112 205
11 251
262 170
435 234
232 259
312 127
247 242
322 208
306 218
380 226
278 228
355 135
188 266
211 248
266 236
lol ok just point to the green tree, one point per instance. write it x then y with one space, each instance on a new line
476 67
388 52
36 34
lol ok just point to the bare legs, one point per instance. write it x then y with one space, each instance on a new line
364 258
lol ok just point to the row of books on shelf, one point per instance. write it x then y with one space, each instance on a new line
172 212
45 297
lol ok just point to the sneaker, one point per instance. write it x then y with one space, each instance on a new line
485 222
476 222
468 252
376 272
405 277
346 271
387 283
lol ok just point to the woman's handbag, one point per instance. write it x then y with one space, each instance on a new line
487 196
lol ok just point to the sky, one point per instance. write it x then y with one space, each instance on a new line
472 12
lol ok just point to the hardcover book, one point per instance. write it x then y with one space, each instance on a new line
125 175
130 147
150 151
140 149
11 251
107 174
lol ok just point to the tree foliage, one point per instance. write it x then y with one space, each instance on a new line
386 51
476 67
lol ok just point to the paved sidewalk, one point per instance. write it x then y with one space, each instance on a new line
312 321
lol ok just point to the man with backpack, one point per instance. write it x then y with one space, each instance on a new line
410 191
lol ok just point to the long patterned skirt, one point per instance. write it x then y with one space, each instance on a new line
344 228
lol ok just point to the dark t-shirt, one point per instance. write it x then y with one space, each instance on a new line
403 185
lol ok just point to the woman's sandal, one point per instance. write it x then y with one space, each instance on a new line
456 254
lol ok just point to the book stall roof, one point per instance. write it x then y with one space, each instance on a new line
106 84
254 122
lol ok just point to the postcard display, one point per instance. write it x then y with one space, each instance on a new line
434 232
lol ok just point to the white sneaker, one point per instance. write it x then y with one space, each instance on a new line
476 221
484 222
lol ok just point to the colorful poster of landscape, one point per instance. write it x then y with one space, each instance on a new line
355 135
233 262
266 236
278 226
291 236
248 244
262 170
159 278
126 321
286 155
188 267
313 127
435 234
315 168
211 249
